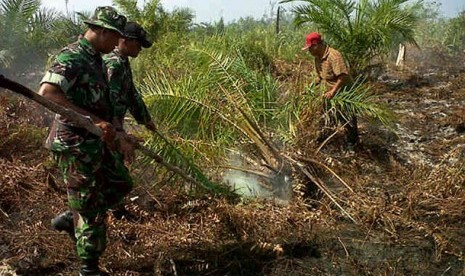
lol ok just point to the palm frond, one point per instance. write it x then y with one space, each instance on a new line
5 58
182 109
44 19
232 90
129 8
360 101
170 150
19 8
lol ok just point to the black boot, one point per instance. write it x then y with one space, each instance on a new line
64 222
121 212
90 268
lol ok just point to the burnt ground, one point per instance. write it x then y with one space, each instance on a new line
407 201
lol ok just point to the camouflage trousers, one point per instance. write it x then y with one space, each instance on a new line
97 180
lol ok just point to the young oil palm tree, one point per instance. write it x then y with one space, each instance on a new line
217 109
26 33
213 118
154 18
15 17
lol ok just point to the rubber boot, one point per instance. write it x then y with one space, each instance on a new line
90 268
64 222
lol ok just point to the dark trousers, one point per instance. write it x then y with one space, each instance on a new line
352 131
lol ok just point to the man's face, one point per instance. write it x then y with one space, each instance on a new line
109 40
133 47
313 50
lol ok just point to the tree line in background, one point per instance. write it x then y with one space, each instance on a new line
214 87
31 32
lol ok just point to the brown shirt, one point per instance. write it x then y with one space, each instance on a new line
330 66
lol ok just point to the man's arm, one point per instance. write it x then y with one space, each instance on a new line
116 74
138 108
341 79
54 94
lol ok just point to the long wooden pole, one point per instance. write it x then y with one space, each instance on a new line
86 123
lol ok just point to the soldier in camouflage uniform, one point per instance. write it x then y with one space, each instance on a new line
123 94
95 180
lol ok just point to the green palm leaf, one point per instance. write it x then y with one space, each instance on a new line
359 100
23 9
213 104
5 58
129 8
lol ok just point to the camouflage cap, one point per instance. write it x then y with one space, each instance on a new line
108 18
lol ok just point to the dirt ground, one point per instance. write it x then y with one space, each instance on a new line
407 201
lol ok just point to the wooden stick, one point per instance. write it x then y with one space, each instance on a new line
86 122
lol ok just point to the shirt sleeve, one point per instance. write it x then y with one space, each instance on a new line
115 73
138 108
63 72
123 94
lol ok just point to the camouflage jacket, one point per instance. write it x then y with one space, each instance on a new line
79 71
123 93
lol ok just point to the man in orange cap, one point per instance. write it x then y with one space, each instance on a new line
333 75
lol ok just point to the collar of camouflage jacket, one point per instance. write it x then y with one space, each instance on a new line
87 46
118 53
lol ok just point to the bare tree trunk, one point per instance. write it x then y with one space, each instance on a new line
277 20
401 57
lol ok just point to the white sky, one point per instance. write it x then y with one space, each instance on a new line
212 10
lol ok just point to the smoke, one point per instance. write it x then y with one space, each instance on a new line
247 184
256 183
